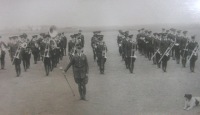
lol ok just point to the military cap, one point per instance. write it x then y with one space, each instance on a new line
126 33
34 36
21 36
193 37
149 32
24 35
42 34
184 32
167 31
130 36
154 34
164 34
47 36
179 31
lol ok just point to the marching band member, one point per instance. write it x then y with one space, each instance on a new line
131 47
192 48
177 47
17 56
183 46
101 54
164 45
47 56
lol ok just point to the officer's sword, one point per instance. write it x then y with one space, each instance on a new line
68 82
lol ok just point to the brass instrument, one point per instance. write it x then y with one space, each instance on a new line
194 52
167 50
17 53
53 31
46 51
24 45
155 53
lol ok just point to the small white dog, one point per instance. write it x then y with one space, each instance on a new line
191 101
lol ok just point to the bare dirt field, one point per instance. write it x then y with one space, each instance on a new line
148 91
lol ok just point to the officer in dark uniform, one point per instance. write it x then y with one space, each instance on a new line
164 45
101 54
131 47
183 46
193 55
177 47
80 70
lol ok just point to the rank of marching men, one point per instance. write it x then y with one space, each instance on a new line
180 47
127 47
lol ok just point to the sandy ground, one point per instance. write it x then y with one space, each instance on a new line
148 91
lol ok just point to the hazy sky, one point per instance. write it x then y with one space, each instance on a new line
17 13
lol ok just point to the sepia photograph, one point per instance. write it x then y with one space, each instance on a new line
99 57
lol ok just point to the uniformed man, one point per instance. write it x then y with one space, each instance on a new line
47 57
172 36
131 47
149 44
124 48
94 41
101 54
16 49
177 47
24 51
71 47
80 37
193 55
183 46
119 41
80 70
164 45
64 39
157 47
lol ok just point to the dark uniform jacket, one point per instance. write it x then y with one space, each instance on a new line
191 46
79 63
164 44
130 48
